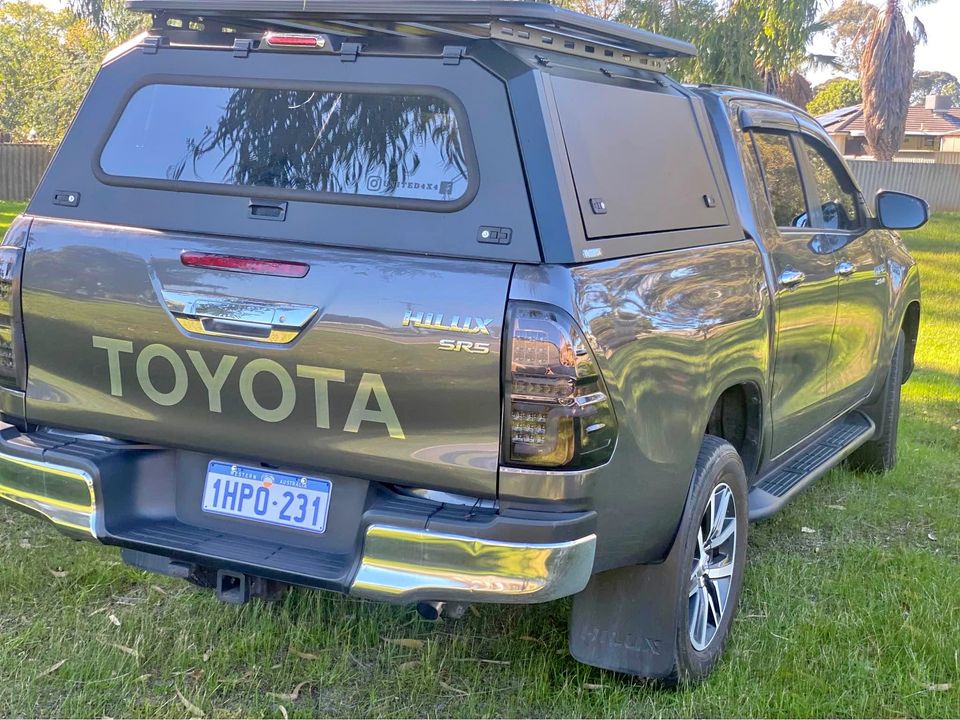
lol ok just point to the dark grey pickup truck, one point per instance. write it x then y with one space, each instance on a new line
445 302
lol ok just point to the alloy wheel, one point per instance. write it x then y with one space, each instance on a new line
711 577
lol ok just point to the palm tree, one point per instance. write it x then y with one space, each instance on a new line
886 77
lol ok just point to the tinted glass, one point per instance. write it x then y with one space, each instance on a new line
782 177
376 145
836 198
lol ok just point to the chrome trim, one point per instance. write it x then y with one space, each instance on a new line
546 484
402 565
790 277
62 495
238 318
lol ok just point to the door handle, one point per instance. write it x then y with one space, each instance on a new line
846 269
791 278
239 318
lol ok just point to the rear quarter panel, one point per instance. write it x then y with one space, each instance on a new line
671 331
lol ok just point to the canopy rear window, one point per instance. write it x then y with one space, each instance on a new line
392 148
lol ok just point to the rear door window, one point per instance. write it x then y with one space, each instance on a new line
389 148
781 175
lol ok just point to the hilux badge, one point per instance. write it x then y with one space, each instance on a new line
434 321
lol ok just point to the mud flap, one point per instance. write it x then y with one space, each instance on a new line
625 620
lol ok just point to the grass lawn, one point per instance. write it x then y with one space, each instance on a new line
859 618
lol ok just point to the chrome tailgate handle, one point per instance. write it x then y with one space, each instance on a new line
239 318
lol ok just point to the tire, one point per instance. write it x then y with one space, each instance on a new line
879 454
719 476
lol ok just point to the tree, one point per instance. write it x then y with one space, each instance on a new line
47 60
886 78
110 17
835 94
934 83
849 23
688 20
751 43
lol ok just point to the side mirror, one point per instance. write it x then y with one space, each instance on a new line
899 211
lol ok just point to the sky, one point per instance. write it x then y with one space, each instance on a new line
942 51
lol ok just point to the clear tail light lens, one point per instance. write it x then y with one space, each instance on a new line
12 363
557 410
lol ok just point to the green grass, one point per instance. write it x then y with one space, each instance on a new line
8 211
859 618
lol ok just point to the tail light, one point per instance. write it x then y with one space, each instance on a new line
12 354
558 413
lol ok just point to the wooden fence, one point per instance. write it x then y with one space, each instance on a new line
21 167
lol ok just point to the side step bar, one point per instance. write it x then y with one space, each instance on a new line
808 464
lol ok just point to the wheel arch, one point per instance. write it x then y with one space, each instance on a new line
736 416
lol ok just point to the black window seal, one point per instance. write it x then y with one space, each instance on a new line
248 191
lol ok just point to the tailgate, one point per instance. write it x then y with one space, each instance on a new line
373 364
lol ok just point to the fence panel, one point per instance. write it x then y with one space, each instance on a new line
939 185
21 167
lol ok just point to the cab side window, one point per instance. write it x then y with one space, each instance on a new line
781 175
837 197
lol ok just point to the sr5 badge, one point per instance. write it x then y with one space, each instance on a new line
477 348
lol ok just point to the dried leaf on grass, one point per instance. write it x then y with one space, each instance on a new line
837 507
593 686
304 655
291 696
409 665
808 531
483 660
191 708
114 619
52 669
283 712
410 643
128 650
939 687
451 688
59 573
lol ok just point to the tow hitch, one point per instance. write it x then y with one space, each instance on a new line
234 588
238 588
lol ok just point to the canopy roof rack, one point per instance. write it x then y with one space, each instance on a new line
513 21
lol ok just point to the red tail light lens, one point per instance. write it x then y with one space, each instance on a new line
253 266
557 410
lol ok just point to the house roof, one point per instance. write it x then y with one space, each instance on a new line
920 121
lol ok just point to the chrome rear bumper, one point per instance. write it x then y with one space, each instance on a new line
62 495
404 565
509 562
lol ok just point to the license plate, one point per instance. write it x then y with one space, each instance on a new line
267 496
